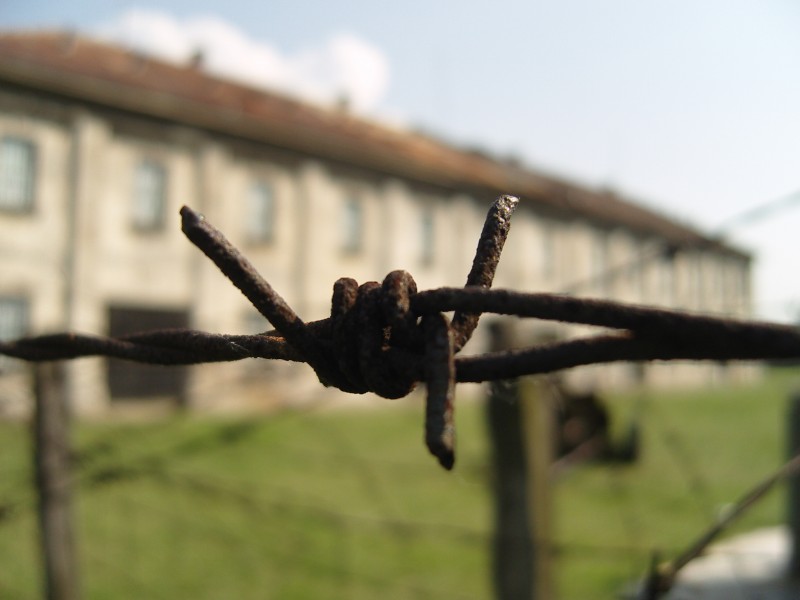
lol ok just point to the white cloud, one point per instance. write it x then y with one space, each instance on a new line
343 66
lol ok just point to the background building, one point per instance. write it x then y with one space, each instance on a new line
100 146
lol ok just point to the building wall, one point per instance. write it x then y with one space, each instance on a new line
78 251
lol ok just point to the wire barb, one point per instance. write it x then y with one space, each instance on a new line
255 288
440 380
487 256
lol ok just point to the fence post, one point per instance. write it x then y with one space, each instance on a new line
51 463
793 486
519 431
537 424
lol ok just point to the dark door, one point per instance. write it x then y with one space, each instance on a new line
130 380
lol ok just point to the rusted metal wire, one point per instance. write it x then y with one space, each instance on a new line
386 337
487 257
440 379
661 576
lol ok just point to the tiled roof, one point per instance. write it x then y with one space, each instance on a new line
87 70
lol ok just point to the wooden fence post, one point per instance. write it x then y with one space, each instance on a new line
793 485
537 424
520 429
52 471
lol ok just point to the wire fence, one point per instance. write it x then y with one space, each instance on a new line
150 505
386 337
163 502
153 511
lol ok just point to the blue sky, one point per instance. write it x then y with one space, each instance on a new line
691 107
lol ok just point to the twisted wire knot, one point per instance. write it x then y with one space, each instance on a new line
375 340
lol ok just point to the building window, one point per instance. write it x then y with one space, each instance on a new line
667 267
600 273
149 195
427 237
698 282
547 257
743 289
13 317
13 325
352 226
260 222
17 174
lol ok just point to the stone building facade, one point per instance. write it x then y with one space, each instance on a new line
99 148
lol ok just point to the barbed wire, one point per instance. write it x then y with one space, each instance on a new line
668 251
662 576
385 338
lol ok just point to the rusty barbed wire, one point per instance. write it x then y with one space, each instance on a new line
387 337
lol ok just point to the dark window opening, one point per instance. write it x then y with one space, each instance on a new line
352 226
149 196
130 380
260 221
17 175
427 237
14 323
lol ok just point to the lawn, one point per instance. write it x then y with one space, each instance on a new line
347 503
702 450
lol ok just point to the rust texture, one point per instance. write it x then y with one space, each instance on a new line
440 380
386 337
490 246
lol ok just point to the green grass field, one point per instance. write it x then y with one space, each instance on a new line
347 504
